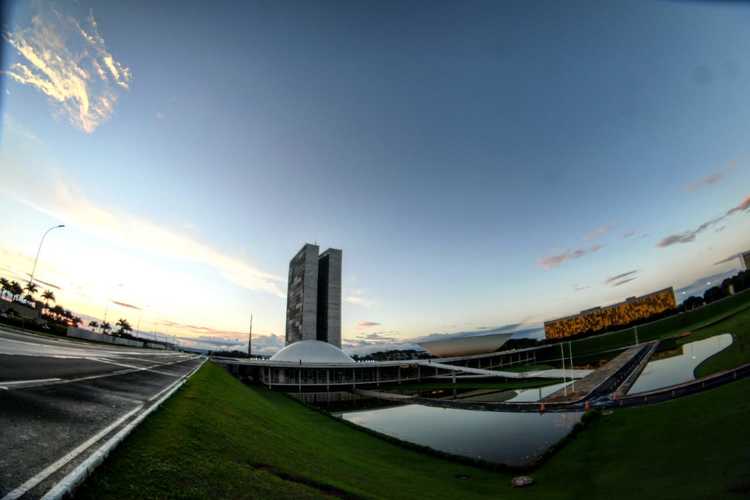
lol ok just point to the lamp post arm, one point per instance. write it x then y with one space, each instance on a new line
39 250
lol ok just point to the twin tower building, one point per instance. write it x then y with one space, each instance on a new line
313 308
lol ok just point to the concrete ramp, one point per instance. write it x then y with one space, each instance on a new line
554 374
611 375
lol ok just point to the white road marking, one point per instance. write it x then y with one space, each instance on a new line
28 381
104 375
54 467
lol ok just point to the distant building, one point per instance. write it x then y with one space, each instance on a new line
313 310
623 313
745 258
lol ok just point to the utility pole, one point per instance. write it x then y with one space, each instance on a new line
250 338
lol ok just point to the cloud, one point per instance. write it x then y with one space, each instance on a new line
68 62
620 276
598 232
580 288
377 336
126 305
367 324
710 179
65 202
690 235
47 284
622 282
357 297
742 207
205 337
553 261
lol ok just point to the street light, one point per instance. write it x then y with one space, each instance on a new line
38 250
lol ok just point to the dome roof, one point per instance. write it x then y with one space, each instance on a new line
312 351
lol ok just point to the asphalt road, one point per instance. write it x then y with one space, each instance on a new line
60 400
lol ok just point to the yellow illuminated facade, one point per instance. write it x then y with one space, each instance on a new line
599 318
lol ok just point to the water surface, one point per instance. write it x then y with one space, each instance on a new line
504 438
680 367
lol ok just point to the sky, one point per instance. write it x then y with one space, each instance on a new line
480 164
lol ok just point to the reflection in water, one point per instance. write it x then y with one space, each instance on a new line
677 369
531 395
505 438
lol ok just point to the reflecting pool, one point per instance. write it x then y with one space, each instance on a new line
679 367
505 438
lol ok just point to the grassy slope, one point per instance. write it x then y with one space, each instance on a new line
209 440
736 354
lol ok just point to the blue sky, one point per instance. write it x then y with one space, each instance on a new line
478 164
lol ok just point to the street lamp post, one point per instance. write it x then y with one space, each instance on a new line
39 249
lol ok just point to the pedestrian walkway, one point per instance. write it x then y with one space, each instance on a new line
553 373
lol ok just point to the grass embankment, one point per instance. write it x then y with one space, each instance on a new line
217 438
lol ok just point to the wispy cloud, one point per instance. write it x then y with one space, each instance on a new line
580 288
553 261
622 282
618 277
691 234
63 201
126 305
598 232
377 336
68 61
711 179
357 297
367 324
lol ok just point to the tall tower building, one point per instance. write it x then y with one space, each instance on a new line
302 295
313 310
329 297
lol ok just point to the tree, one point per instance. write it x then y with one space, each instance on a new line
31 288
48 296
713 294
124 326
4 286
93 324
693 302
57 312
105 326
15 289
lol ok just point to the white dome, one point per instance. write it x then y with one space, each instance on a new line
312 351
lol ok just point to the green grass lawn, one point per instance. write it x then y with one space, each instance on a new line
218 438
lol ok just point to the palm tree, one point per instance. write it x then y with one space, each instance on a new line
124 326
16 290
105 326
48 296
31 288
4 286
93 324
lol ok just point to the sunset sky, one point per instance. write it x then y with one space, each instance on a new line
479 164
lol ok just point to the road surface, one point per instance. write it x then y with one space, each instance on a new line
61 400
